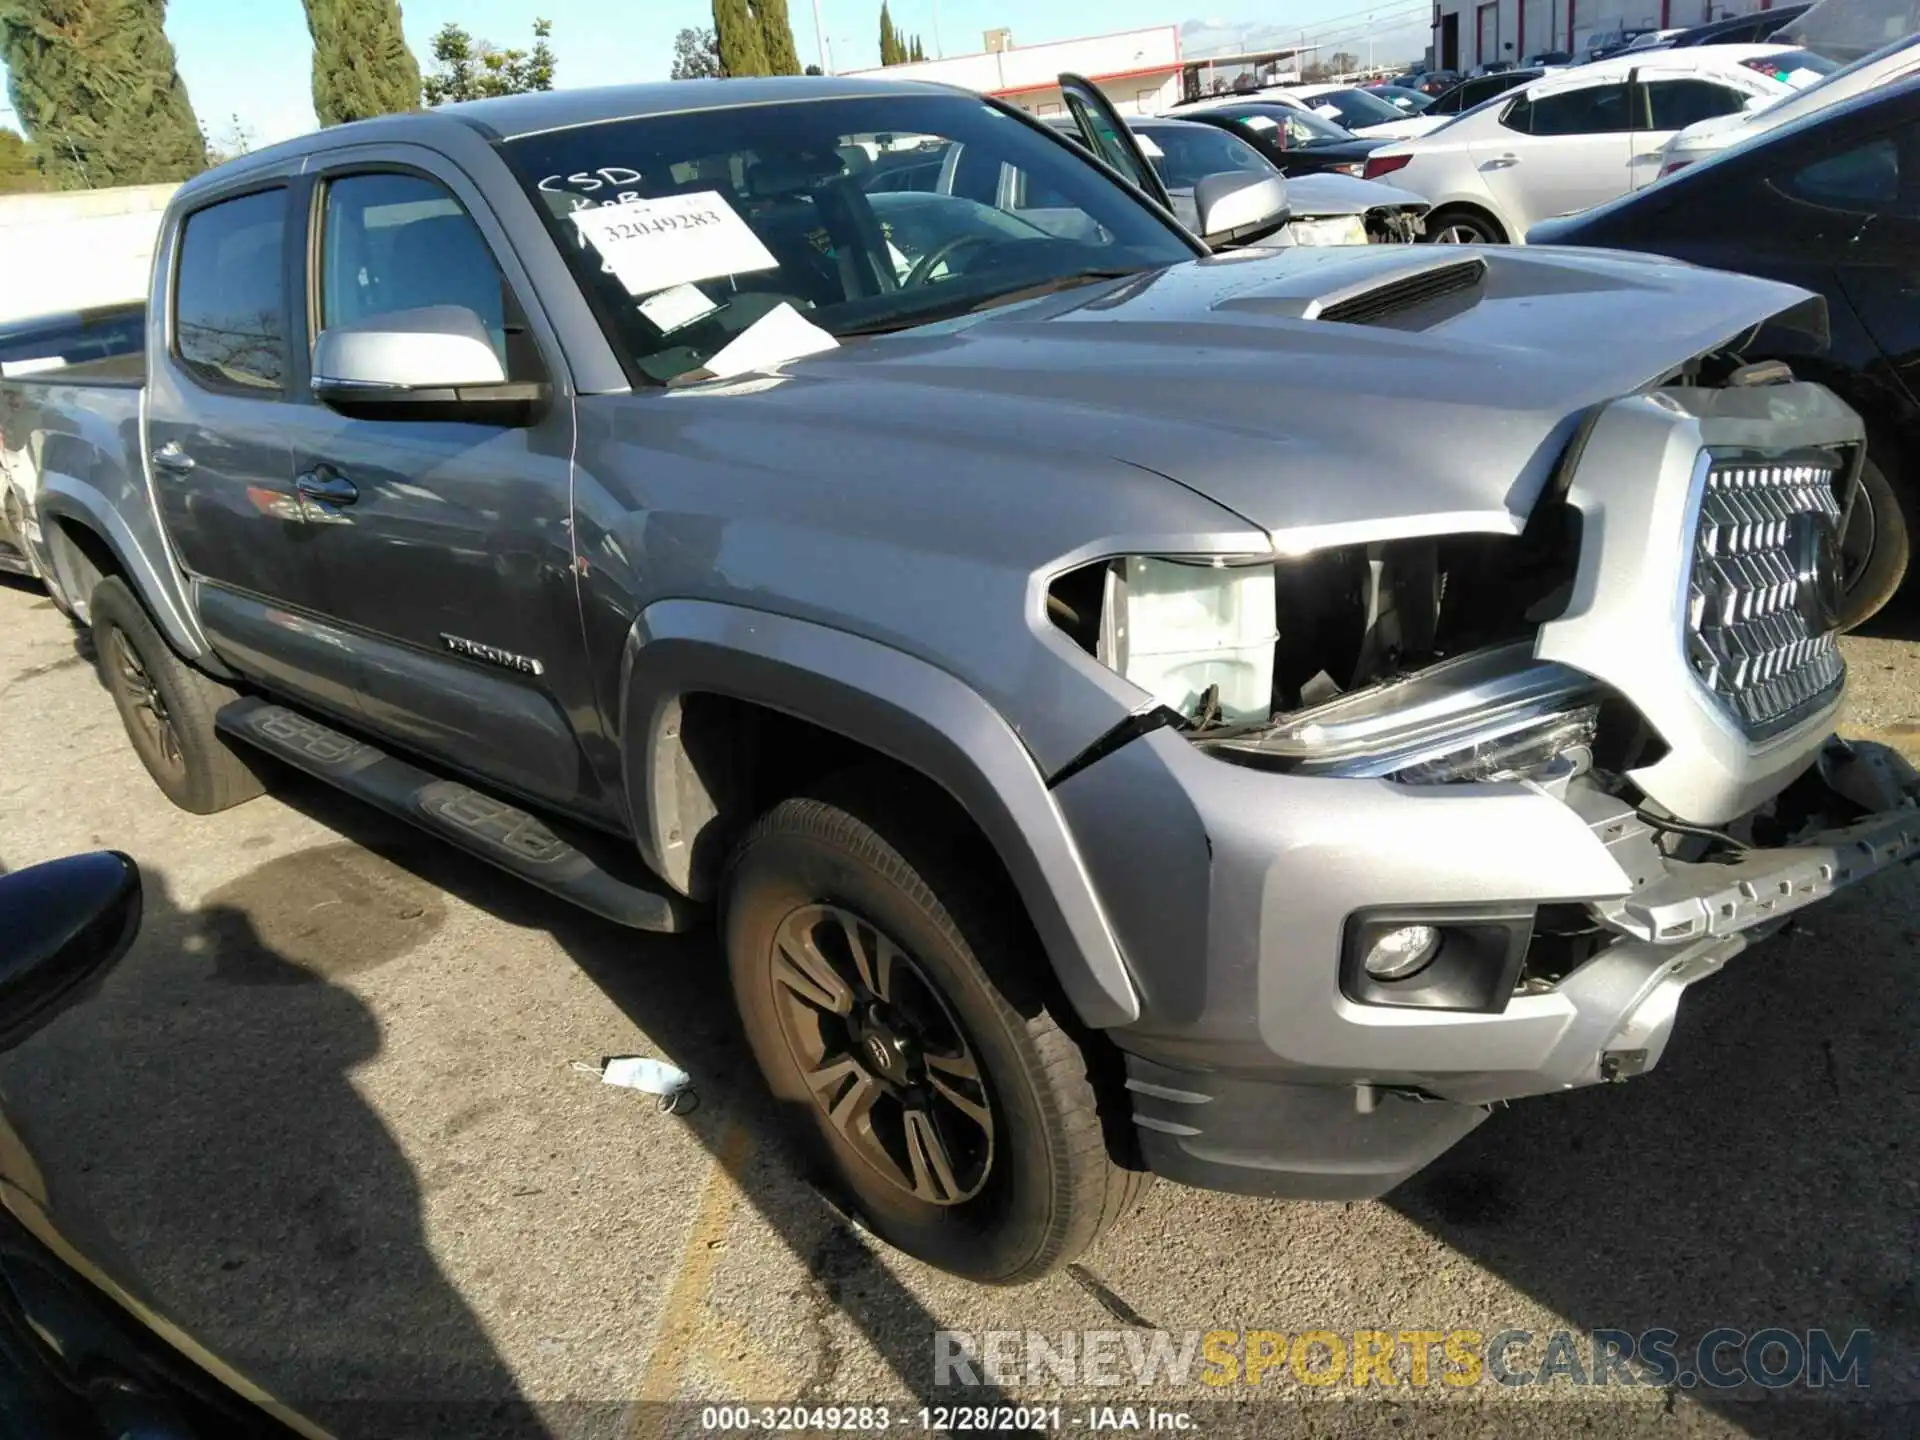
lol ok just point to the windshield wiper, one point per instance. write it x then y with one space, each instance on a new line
973 305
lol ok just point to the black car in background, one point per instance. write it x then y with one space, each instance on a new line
1469 93
1830 202
1298 141
1741 29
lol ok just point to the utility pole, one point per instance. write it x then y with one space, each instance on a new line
939 51
820 41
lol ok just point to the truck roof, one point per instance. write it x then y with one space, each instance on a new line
510 116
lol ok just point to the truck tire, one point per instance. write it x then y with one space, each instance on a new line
1875 578
167 707
890 998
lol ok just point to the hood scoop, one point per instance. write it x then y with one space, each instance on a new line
1381 297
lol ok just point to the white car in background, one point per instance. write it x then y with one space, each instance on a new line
1364 113
1707 138
1572 139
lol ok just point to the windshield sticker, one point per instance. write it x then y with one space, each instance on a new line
1260 122
1147 147
780 335
677 308
653 245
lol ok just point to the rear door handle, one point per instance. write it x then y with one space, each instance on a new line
1501 162
171 458
326 484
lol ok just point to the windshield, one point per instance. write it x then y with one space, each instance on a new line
1184 154
1846 30
1354 108
1842 83
840 216
1297 129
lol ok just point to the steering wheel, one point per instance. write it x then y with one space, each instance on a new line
924 267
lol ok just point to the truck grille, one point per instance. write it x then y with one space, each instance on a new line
1764 594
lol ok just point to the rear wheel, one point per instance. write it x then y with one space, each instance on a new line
1460 226
167 707
1878 543
892 1003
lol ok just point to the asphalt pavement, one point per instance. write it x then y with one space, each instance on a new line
326 1116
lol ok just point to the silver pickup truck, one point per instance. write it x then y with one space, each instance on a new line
1130 709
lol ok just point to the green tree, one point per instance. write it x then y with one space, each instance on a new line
361 64
696 56
915 53
95 86
742 42
18 172
470 69
892 52
776 37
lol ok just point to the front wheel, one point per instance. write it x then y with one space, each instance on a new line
891 1002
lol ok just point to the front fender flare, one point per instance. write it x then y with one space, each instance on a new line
892 703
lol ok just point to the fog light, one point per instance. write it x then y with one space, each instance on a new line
1401 952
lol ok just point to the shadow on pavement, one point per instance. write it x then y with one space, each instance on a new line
224 1075
203 1145
1761 1176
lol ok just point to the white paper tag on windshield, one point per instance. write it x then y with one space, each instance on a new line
781 334
677 308
653 245
1260 122
1147 147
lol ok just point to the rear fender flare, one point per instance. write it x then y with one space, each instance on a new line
891 703
63 498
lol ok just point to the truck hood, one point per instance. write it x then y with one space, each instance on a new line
1236 377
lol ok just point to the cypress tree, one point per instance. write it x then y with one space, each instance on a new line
361 64
890 49
776 33
739 38
95 86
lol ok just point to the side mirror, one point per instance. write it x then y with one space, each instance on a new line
435 363
63 925
1239 207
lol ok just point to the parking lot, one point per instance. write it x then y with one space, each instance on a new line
325 1115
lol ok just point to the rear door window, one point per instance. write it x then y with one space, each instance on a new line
1676 104
230 294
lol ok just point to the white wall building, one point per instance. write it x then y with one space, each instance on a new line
1467 33
67 250
1139 70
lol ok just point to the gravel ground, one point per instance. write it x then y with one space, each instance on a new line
325 1116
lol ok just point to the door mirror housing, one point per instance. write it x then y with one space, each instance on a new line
63 925
1239 207
434 363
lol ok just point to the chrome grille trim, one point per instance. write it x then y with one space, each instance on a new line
1764 585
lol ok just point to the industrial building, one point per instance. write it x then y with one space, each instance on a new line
1141 71
1467 33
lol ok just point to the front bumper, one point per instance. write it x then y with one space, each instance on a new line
1251 1070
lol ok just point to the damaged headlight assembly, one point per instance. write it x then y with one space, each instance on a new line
1244 650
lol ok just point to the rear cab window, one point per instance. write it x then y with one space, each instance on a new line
229 319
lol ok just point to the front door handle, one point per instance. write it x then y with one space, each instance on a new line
327 485
171 458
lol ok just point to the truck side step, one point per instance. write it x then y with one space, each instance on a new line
495 831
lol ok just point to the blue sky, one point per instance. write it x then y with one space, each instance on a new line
252 58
